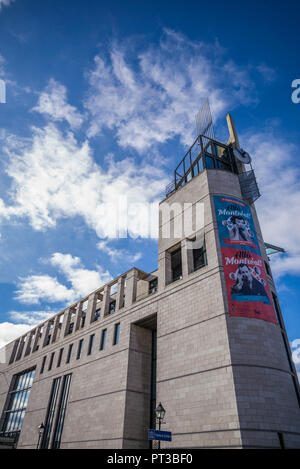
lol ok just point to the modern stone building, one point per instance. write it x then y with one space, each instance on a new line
193 335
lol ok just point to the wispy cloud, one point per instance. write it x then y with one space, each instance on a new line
53 103
30 317
80 281
268 73
5 3
278 208
156 97
55 177
117 254
34 288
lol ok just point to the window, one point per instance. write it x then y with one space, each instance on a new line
60 357
97 314
79 350
71 327
112 307
176 265
69 353
50 413
48 340
91 344
17 400
116 334
103 339
199 252
59 425
43 365
210 164
51 361
153 285
83 316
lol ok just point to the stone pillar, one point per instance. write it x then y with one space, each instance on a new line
27 345
37 338
131 284
120 294
66 322
165 270
45 334
90 312
78 316
21 348
106 300
56 328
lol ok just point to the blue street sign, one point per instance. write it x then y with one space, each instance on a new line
160 435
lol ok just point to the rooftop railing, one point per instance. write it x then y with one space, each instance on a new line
205 153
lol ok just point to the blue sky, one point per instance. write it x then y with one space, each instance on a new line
100 103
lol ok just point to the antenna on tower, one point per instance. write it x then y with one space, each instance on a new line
204 122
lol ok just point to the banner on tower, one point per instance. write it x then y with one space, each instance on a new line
246 281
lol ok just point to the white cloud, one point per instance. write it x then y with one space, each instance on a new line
36 288
10 331
83 281
5 3
278 208
54 177
53 103
295 346
117 254
157 98
32 318
267 72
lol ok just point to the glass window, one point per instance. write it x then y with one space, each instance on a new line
218 164
112 307
91 344
71 327
60 357
43 365
103 339
79 350
83 316
210 164
176 265
69 353
199 253
50 413
17 400
51 361
97 314
195 170
116 334
200 164
59 425
48 340
153 285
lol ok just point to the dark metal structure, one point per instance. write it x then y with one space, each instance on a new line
205 153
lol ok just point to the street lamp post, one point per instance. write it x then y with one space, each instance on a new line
160 414
41 429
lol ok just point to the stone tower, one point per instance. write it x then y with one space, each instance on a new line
224 367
